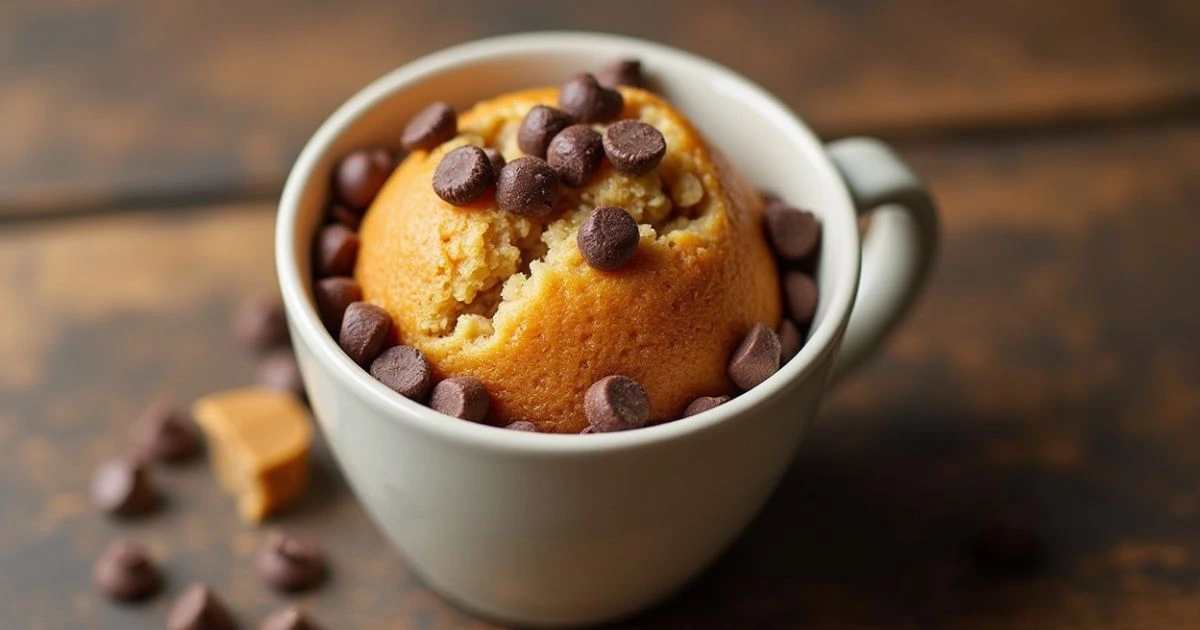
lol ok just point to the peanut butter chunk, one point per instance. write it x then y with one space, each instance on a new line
259 440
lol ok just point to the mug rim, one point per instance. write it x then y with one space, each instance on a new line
306 323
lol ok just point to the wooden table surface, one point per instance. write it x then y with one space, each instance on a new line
1052 370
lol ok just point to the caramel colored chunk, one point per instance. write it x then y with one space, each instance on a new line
259 440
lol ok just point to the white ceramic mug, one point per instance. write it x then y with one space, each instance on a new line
573 529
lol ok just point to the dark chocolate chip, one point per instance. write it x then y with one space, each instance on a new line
199 608
496 158
790 340
259 323
624 72
526 186
575 154
290 563
279 370
336 251
585 100
793 233
164 433
332 296
616 403
463 175
124 487
340 213
431 126
125 571
540 125
360 175
756 357
608 238
405 371
800 292
634 147
1009 547
365 329
462 397
290 618
704 403
522 425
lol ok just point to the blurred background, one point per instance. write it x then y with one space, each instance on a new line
1025 452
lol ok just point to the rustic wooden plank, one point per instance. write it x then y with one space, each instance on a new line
1052 371
119 102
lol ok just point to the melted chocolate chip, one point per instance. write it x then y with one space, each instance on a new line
527 187
634 147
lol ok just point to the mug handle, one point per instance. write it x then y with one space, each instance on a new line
897 249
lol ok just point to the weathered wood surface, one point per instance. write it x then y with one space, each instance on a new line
1052 371
124 102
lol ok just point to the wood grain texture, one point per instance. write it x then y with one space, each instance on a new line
120 102
1052 371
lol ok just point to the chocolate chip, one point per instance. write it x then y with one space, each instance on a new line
540 125
462 397
1008 547
575 154
280 371
405 371
496 158
634 147
336 251
793 233
125 571
463 175
290 563
199 608
616 403
290 618
332 296
431 126
704 403
164 433
608 238
339 213
624 72
800 292
756 357
790 340
360 175
124 487
259 323
365 329
584 99
526 186
522 425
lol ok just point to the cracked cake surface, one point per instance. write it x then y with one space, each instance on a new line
509 299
